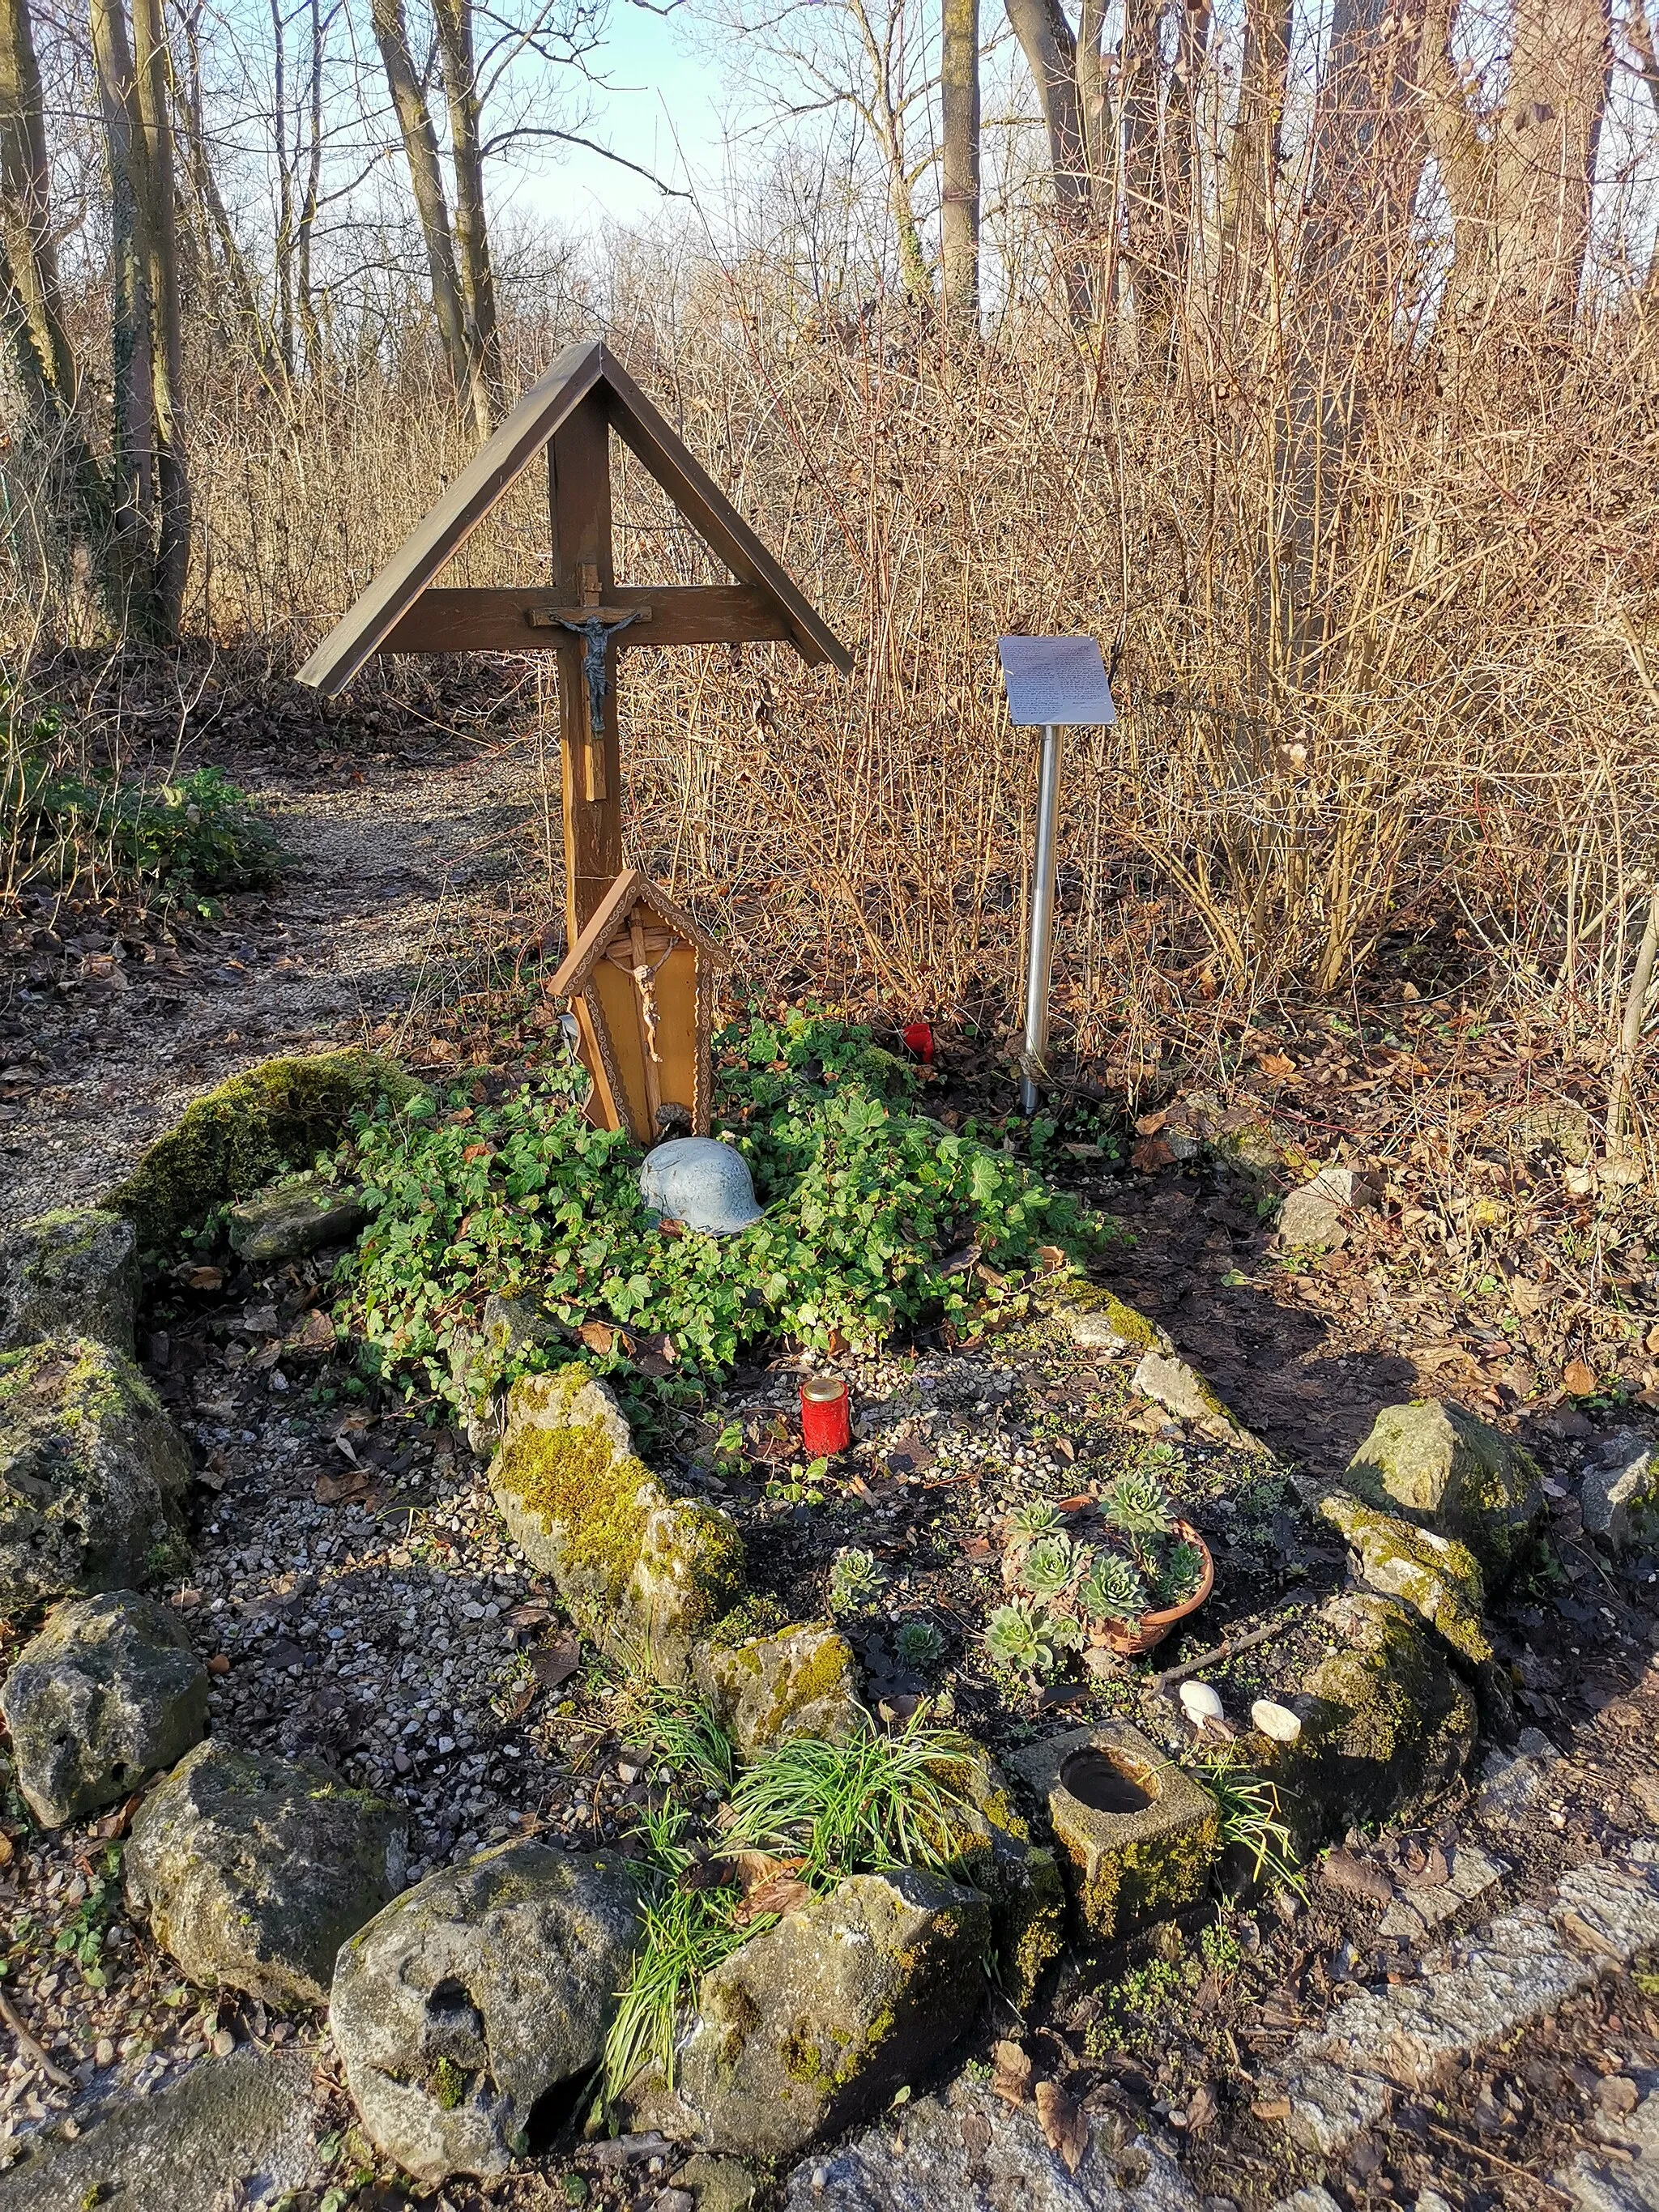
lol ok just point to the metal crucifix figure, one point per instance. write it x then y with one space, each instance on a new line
598 629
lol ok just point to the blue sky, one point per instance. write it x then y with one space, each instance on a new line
653 71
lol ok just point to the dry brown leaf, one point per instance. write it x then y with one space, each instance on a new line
347 1489
8 1848
556 1661
202 1279
1152 1153
1276 1064
1354 1877
1064 2122
1578 1378
782 1894
598 1335
1273 2108
1012 2078
1149 1124
1200 2108
1434 1874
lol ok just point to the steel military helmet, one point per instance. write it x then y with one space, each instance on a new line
701 1182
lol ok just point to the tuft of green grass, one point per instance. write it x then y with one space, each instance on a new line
875 1802
681 1728
872 1802
1251 1816
687 1932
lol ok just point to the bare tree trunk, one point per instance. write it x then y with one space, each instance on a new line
305 299
1255 156
133 440
1143 219
426 181
959 167
221 246
159 246
476 278
1520 181
1051 55
1370 146
75 517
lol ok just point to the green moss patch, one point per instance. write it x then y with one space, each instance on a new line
261 1124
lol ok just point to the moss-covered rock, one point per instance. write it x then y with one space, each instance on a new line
93 1475
1018 1879
801 1681
475 1994
479 1358
815 2024
1123 1866
72 1273
1385 1723
1437 1576
108 1691
1441 1467
259 1125
644 1573
1097 1319
254 1871
291 1218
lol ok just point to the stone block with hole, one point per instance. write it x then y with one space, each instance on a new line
471 2013
1138 1838
108 1691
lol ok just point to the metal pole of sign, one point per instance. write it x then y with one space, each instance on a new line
1040 957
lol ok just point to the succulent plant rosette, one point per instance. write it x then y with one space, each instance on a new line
1066 1592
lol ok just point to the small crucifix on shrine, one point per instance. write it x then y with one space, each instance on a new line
584 617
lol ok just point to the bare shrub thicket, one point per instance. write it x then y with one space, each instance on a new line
1322 390
1417 693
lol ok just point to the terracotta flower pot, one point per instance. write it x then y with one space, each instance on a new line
1152 1627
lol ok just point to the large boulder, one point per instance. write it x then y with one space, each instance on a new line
254 1871
476 1996
815 2024
93 1475
294 1218
802 1680
74 1274
642 1572
1385 1724
967 2149
1439 1466
108 1691
268 1119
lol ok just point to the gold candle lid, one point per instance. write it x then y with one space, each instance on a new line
824 1389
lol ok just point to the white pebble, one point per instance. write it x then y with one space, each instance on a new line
1202 1703
1276 1721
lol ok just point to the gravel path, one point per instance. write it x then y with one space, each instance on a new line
111 1033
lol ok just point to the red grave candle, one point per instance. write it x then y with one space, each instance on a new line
826 1416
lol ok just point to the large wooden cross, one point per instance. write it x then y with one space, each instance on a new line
584 617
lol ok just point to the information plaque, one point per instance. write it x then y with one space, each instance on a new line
1055 681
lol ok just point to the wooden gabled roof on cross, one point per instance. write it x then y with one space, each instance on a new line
401 612
584 617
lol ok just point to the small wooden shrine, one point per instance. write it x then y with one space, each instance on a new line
641 982
584 616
